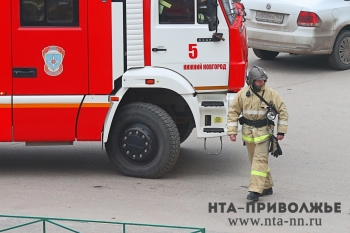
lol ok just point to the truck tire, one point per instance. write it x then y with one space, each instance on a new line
264 54
339 59
185 130
143 141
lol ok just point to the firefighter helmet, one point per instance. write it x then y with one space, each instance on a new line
256 73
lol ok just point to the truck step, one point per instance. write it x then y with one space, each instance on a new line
213 130
213 104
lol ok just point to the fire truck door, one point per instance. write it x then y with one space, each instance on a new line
49 67
181 41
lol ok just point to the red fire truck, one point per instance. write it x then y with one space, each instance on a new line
138 75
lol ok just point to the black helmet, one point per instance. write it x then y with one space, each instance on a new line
256 73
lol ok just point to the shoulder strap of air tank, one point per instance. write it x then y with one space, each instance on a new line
262 99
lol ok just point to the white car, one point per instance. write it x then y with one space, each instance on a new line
300 27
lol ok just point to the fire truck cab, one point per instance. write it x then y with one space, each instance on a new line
138 75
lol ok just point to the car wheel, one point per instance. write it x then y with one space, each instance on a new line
339 59
264 54
144 141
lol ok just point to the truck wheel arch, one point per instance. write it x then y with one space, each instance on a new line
166 80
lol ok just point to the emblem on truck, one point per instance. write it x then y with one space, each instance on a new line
53 58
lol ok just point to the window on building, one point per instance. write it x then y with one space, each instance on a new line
176 11
49 13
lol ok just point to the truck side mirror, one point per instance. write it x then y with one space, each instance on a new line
212 15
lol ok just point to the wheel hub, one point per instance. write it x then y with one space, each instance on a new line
344 51
138 143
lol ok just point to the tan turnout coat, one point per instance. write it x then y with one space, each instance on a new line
253 108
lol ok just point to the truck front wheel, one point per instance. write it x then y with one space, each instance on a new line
143 141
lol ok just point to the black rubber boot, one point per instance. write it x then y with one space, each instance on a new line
267 192
253 196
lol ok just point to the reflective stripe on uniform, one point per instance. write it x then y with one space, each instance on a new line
257 139
282 122
257 173
232 124
255 112
268 170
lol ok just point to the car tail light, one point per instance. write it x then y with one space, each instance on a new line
309 19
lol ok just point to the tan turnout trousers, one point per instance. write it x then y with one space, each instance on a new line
260 177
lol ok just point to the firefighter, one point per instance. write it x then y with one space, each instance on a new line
258 104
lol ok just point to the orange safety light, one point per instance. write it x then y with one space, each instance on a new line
2 93
114 98
149 81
